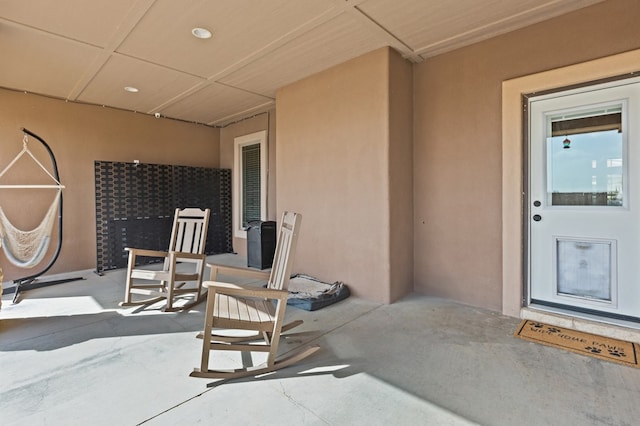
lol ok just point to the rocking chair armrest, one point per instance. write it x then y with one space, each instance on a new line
186 255
232 270
246 291
146 252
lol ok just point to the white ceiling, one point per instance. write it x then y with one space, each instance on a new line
89 50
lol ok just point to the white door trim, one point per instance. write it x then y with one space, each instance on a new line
240 141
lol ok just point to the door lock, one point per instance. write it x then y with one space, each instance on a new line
537 217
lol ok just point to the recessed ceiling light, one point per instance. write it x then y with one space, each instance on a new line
131 89
201 33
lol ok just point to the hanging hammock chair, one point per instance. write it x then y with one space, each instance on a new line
27 249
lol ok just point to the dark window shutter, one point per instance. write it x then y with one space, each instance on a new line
250 184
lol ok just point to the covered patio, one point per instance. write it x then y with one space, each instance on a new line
71 355
405 155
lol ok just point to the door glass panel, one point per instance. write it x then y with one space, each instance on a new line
585 158
584 269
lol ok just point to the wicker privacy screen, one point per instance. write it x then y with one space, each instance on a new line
135 204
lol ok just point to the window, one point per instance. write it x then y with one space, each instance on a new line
585 150
250 181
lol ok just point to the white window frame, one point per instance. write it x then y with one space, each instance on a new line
250 139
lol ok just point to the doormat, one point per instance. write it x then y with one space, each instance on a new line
606 348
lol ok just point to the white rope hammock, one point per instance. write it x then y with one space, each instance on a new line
26 249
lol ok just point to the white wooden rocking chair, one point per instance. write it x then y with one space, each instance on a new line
231 306
187 245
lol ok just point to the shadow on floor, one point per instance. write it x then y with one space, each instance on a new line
50 333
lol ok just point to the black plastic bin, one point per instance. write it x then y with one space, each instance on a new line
261 244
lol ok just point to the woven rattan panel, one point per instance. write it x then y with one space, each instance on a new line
135 204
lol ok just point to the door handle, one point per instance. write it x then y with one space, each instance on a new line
537 217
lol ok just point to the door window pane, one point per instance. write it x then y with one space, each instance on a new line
585 158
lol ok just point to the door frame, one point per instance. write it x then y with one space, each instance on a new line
514 167
602 88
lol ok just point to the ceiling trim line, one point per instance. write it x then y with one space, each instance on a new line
292 35
324 17
245 90
46 33
127 25
58 98
502 26
239 116
190 91
384 34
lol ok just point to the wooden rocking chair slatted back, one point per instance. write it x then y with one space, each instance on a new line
187 245
236 307
190 234
283 256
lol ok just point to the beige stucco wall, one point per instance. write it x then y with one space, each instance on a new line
400 147
78 135
265 121
458 143
334 167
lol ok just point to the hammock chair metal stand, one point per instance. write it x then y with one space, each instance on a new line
29 282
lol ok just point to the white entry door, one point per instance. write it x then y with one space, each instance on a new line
584 199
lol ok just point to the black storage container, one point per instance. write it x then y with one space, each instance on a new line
261 244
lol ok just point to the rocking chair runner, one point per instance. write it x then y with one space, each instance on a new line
231 306
187 244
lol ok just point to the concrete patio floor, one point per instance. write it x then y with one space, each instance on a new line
69 355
